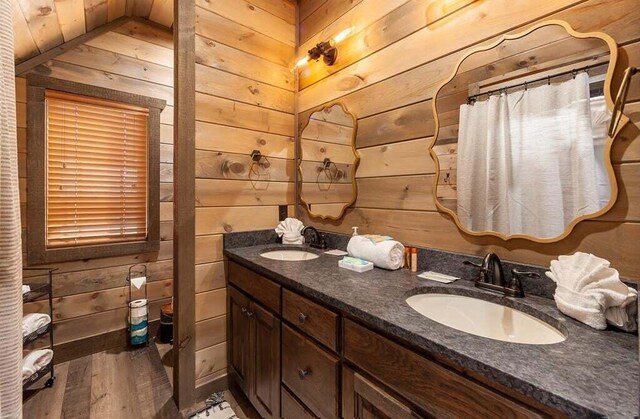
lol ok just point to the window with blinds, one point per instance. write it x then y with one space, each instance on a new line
96 171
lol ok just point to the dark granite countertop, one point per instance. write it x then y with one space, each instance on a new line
591 374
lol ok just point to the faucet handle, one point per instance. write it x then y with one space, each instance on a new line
477 265
516 274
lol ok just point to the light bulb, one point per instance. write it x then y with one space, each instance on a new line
302 61
342 35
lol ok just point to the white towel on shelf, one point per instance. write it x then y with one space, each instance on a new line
26 289
34 321
589 290
35 361
291 231
387 254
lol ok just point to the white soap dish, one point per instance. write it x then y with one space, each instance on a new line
361 268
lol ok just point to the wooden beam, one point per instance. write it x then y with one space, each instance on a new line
30 64
184 342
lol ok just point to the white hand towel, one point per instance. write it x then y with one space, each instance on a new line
388 254
587 287
34 361
289 225
34 321
26 289
291 231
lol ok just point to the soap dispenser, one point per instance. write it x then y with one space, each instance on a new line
355 231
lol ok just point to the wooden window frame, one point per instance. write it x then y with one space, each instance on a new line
37 252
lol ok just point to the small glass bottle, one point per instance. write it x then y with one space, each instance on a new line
414 259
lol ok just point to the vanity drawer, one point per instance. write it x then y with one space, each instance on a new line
291 409
434 388
257 286
310 372
313 319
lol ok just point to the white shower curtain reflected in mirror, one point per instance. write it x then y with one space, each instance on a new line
10 241
530 162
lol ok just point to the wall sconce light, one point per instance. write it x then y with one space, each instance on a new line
327 50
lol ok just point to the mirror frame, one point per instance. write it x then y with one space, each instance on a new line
356 162
613 48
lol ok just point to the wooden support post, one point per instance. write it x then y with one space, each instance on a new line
184 365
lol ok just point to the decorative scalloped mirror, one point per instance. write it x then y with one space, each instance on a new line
521 147
328 162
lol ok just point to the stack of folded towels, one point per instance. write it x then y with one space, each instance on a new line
291 231
34 321
34 362
382 251
590 291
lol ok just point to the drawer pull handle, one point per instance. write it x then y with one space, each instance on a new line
303 373
302 318
249 313
244 311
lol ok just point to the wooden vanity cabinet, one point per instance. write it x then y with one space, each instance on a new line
297 358
239 358
254 341
363 399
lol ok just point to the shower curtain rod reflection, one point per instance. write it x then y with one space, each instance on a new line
471 99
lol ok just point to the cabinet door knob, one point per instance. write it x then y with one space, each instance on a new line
303 373
302 317
249 313
243 311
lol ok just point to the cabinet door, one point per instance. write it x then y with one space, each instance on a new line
239 356
265 385
361 399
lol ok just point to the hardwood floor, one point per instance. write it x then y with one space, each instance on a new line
112 384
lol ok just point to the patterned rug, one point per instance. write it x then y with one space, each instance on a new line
217 408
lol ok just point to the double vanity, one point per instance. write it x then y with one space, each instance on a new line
309 339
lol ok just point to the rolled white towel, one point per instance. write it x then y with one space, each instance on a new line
387 254
34 321
35 361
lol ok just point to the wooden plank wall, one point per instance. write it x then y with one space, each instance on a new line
90 295
244 101
387 73
39 26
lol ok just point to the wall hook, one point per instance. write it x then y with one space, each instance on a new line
259 173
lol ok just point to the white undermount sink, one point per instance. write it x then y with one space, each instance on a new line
486 319
289 255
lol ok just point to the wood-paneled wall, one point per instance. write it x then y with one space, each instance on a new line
244 102
387 73
90 295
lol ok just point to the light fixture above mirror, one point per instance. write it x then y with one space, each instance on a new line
327 50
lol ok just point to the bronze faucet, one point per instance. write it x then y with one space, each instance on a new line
491 277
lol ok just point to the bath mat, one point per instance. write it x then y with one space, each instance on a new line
217 408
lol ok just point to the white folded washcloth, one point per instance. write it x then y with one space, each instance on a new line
587 288
291 231
387 254
34 321
35 361
26 289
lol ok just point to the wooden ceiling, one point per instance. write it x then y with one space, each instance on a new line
40 25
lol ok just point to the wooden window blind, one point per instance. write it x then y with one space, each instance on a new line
96 171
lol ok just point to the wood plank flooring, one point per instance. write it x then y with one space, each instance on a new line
112 384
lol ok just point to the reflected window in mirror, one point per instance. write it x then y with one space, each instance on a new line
522 145
328 161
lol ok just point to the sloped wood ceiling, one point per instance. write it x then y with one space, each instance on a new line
40 25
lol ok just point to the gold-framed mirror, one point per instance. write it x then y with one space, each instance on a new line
327 162
521 147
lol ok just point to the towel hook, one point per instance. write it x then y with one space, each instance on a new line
259 170
330 171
